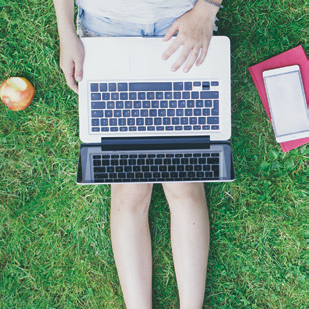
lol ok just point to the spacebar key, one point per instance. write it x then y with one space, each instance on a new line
160 86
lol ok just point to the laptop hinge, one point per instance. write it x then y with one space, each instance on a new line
162 142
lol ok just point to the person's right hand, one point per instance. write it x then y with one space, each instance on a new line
72 59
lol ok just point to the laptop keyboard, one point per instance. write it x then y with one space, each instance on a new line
156 167
154 106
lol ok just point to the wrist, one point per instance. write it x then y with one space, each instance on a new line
208 8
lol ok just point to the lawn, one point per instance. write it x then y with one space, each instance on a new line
55 249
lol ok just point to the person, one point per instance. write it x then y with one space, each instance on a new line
192 22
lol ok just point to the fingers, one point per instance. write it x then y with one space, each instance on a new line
69 74
171 31
191 53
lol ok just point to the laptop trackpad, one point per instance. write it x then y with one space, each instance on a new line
146 61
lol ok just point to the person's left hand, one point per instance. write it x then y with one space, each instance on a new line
195 30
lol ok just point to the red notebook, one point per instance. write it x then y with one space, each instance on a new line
293 56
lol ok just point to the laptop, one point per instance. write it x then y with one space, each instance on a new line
141 122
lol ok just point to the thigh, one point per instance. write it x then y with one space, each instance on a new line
93 26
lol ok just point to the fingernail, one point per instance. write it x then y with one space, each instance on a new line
163 57
173 69
185 70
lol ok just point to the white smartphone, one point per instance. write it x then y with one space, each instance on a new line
287 103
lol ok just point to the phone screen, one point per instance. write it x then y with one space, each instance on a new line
287 102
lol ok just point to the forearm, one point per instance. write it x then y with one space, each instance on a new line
65 17
207 9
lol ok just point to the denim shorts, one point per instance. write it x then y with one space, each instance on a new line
89 25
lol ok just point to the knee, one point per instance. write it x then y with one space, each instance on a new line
185 191
131 197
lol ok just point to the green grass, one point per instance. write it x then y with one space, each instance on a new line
55 249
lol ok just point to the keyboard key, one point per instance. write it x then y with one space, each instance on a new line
140 121
103 87
117 113
122 87
146 104
144 113
213 120
123 96
148 121
150 86
190 103
95 129
205 85
161 112
170 112
114 129
135 113
181 103
95 96
112 122
197 112
157 121
154 104
168 95
201 120
137 104
108 113
206 127
178 86
194 95
110 104
115 96
215 83
141 96
119 104
209 94
215 127
159 95
150 95
177 95
112 86
172 104
179 112
188 85
132 95
186 95
97 105
128 104
153 112
164 104
126 113
95 122
96 114
122 121
196 84
208 103
175 121
184 120
166 121
94 87
206 112
131 121
188 112
106 96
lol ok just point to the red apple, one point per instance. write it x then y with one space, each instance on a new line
16 93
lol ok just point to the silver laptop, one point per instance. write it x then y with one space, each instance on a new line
141 122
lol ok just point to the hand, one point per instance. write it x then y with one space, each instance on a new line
194 32
72 59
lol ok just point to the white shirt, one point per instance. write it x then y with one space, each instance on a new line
136 11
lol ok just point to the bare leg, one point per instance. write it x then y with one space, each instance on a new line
190 240
131 242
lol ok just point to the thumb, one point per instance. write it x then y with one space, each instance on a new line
78 74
